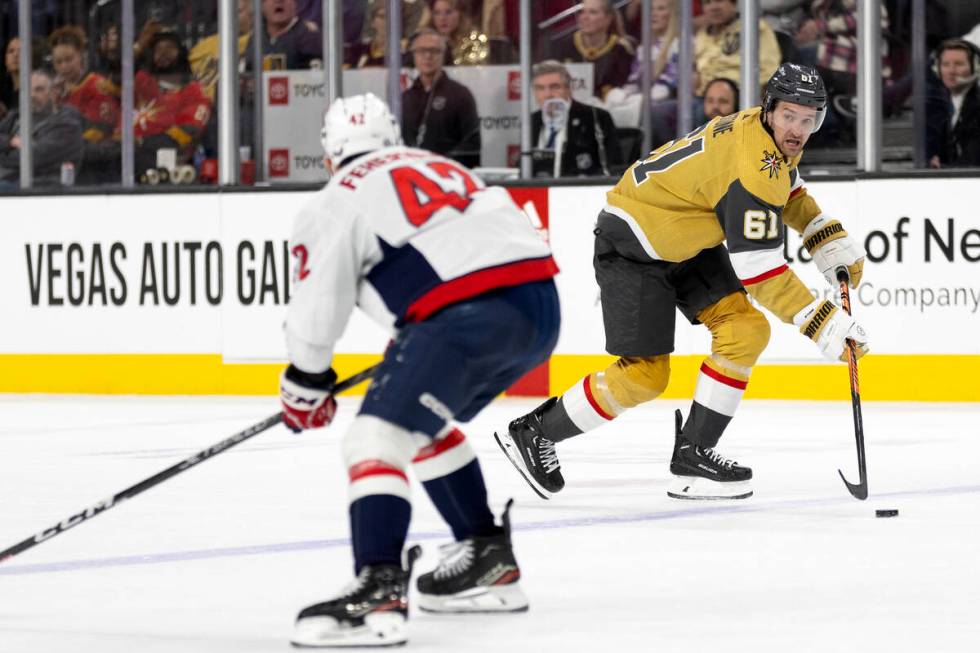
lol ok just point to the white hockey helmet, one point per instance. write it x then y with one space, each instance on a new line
357 124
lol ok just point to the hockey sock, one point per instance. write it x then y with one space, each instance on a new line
719 390
379 526
580 409
461 499
451 475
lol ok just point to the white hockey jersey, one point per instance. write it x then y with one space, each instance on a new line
401 233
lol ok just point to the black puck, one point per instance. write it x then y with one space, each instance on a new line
886 513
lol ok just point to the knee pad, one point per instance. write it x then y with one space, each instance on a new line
447 453
739 332
632 381
376 454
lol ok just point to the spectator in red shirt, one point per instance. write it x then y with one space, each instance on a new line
172 108
93 96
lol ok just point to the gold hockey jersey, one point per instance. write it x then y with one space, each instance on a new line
727 182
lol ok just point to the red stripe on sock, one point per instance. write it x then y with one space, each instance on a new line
374 468
592 402
721 378
454 438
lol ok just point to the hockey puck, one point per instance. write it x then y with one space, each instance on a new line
886 513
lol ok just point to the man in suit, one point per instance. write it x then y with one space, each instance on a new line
570 139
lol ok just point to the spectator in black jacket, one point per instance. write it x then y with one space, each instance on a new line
581 137
958 65
439 114
56 136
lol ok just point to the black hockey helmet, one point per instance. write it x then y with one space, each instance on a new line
797 84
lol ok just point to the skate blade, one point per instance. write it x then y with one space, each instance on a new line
506 444
379 630
493 599
703 489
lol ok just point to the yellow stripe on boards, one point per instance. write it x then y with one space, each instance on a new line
153 374
882 377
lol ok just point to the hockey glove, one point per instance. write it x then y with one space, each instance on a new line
830 327
831 248
306 399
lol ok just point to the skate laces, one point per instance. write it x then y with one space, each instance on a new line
718 459
456 558
356 585
548 455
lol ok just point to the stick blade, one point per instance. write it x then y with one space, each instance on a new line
858 491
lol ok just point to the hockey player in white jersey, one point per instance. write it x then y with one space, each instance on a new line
457 271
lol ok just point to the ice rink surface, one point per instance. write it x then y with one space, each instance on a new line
219 559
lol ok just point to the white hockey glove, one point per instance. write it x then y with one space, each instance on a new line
831 248
307 402
828 326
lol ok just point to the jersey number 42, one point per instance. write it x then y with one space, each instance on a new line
421 195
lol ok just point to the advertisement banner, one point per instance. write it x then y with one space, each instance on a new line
921 279
296 99
210 275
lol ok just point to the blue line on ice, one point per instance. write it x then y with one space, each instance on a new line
578 522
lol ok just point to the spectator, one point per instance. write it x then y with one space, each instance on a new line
829 41
720 98
468 46
571 139
204 55
664 51
371 52
10 77
172 109
717 53
958 65
288 43
439 114
599 40
95 98
56 136
718 48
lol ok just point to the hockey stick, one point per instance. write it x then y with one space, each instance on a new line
169 472
859 490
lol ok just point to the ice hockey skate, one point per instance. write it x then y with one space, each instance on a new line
478 574
532 453
704 473
371 611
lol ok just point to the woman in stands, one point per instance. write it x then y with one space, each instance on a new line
664 52
95 97
370 51
599 40
468 46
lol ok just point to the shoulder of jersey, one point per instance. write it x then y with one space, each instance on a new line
763 170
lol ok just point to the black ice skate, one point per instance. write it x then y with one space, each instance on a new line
371 611
704 473
532 453
478 574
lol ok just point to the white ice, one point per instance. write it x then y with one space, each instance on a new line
219 559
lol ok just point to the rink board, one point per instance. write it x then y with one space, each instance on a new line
186 294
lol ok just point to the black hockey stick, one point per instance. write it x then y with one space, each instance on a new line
859 490
169 472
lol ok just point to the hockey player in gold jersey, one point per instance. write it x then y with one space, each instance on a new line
660 244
